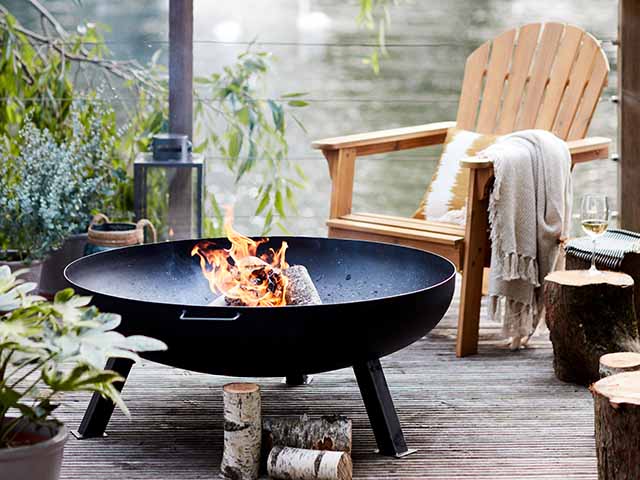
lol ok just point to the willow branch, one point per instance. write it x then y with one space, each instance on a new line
50 18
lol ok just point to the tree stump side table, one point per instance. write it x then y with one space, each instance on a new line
588 316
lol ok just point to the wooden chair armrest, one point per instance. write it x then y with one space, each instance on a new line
583 150
388 140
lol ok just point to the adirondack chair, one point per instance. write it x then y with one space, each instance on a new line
547 76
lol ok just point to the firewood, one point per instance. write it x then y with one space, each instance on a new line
242 426
302 464
301 289
613 363
588 316
324 433
617 421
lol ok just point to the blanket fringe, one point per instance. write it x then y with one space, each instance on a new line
519 320
519 267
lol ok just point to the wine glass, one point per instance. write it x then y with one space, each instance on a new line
595 220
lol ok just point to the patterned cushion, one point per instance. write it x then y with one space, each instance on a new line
445 199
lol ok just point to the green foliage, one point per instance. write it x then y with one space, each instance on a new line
51 348
50 188
249 133
56 142
42 71
375 16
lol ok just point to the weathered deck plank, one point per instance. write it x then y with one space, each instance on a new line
497 415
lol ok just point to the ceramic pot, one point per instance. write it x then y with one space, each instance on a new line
41 460
52 277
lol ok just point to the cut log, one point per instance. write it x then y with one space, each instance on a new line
324 433
588 316
302 464
630 265
613 363
617 421
242 431
301 290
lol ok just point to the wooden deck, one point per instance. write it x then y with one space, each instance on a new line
497 415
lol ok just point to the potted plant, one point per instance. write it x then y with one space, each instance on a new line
48 348
51 188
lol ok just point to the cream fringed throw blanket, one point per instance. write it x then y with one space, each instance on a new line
529 211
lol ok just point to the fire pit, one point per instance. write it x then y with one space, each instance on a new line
377 299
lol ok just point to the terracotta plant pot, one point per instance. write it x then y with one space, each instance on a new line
41 460
52 278
35 268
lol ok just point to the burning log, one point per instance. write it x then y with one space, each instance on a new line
300 289
619 362
242 425
617 420
287 463
324 433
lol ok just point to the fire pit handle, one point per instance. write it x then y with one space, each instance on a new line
184 316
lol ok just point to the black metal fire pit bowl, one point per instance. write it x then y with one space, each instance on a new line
377 299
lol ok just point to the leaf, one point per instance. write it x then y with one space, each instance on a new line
277 115
110 392
297 103
243 116
108 321
300 172
235 144
299 123
8 397
249 162
63 295
141 343
284 229
268 219
264 201
294 95
279 204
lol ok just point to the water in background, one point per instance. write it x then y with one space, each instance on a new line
320 51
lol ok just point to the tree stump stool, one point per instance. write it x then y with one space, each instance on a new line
588 316
617 421
619 362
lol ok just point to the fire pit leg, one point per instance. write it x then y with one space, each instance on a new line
98 413
382 414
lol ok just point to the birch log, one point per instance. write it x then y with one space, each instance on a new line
324 433
242 431
619 362
617 420
302 464
588 316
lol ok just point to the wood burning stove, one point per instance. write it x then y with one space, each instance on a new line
377 299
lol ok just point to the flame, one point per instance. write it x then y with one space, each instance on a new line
240 274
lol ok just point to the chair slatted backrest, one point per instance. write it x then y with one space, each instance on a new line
548 76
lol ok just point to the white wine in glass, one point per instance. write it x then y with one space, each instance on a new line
595 220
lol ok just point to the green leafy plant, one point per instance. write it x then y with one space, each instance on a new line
48 349
249 133
375 16
44 70
50 188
